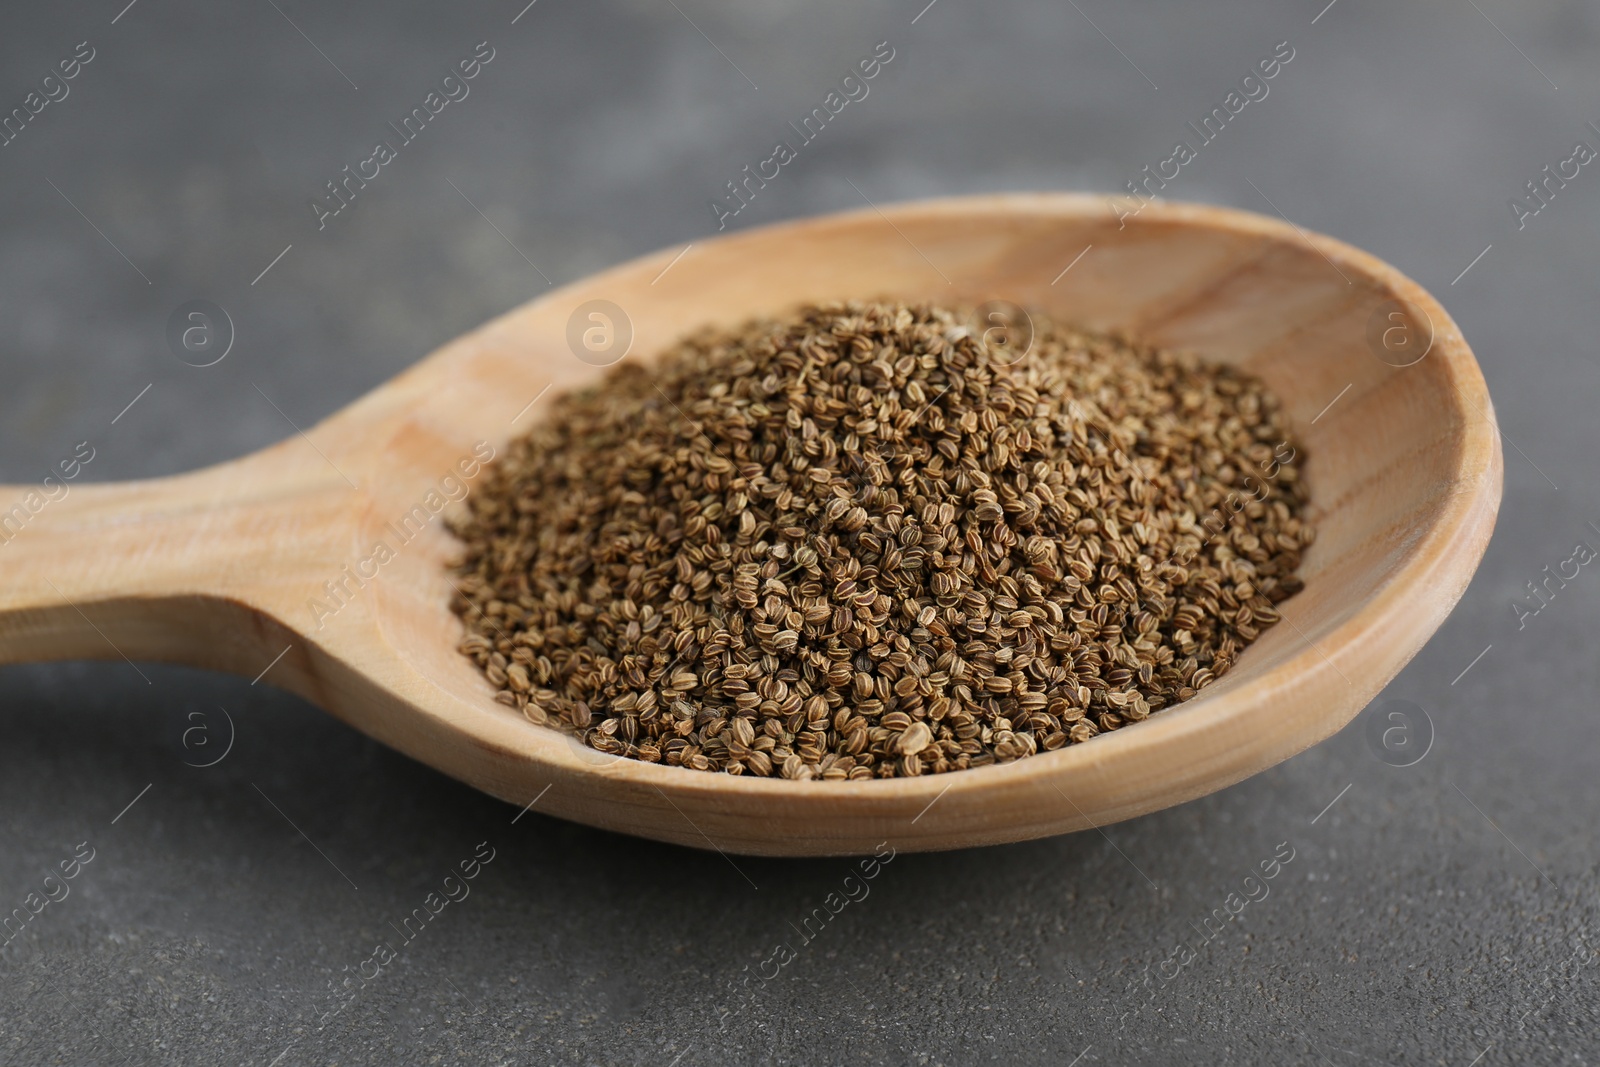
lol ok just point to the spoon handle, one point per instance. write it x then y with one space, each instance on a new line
181 569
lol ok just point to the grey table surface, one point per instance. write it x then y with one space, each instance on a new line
1438 913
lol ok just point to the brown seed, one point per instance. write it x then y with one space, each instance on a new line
859 542
914 740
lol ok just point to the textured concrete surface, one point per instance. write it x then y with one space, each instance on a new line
1441 913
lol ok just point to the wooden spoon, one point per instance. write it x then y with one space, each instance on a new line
226 567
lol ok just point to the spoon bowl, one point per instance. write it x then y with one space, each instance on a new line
321 564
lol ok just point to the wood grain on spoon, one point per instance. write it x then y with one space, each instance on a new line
226 567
